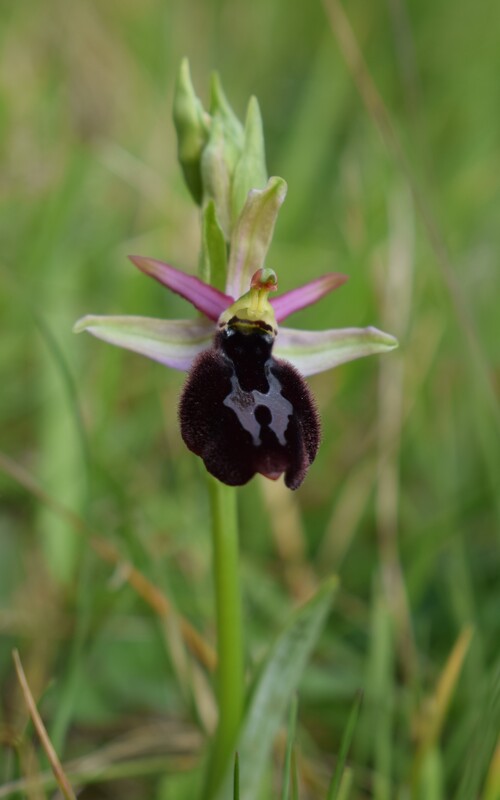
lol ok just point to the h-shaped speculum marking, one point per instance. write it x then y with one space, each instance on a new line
245 404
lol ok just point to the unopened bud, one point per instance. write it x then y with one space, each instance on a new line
192 124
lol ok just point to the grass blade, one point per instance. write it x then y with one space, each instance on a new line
292 723
236 778
483 743
55 764
295 777
278 679
335 785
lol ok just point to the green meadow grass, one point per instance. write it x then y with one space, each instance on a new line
401 192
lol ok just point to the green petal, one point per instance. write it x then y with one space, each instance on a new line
174 343
253 234
317 351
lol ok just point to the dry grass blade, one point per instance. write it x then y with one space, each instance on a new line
396 305
156 600
439 703
30 768
142 585
55 764
448 680
155 748
289 537
492 788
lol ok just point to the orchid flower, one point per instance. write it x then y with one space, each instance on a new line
245 407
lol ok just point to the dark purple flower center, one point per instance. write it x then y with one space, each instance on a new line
243 411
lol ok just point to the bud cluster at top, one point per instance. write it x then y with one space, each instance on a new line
221 159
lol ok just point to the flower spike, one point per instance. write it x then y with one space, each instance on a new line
245 407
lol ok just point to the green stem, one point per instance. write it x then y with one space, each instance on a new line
230 685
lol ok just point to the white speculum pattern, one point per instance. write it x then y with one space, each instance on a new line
245 405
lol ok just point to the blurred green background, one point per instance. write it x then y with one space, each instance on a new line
403 500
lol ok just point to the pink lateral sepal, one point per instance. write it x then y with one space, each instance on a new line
207 299
289 302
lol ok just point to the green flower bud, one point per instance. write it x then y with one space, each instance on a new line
250 172
192 124
213 258
219 107
220 155
216 174
222 161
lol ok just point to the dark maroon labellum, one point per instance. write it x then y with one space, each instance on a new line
244 411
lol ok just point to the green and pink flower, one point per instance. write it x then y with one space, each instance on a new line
245 407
